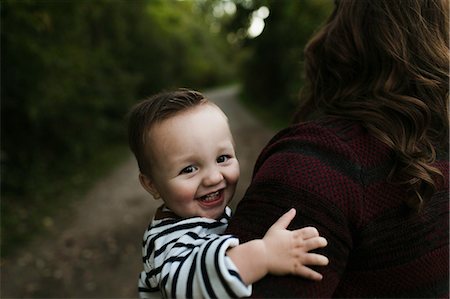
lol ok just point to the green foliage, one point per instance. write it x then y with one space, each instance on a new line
272 74
70 72
182 52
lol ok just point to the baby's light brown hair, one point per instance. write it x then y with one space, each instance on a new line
153 110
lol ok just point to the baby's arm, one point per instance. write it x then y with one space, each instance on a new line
280 252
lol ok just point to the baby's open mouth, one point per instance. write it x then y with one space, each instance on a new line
211 196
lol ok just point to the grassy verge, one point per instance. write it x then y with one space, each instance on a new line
24 218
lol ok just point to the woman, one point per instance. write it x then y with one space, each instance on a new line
370 171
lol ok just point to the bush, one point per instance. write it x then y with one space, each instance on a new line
70 72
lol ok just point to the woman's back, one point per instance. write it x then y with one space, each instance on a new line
335 174
372 175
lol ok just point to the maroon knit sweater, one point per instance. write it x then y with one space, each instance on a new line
334 173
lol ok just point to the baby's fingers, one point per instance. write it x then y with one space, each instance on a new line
307 232
315 259
308 273
283 221
314 243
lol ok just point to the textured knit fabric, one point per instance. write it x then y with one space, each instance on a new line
185 258
334 173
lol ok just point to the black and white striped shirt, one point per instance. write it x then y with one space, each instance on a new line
185 258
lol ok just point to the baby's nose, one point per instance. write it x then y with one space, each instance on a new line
213 177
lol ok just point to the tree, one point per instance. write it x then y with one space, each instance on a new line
70 72
272 74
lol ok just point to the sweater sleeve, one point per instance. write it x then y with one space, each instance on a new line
189 264
311 173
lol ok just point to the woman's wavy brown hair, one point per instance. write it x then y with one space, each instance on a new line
385 64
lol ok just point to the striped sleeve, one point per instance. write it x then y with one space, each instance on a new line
187 259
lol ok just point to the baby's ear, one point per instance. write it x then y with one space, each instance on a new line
148 185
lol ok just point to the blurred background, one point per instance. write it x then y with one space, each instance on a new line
72 212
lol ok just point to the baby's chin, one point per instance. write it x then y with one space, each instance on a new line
213 214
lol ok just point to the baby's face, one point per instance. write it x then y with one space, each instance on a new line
195 169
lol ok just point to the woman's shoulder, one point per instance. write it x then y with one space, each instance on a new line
322 131
329 137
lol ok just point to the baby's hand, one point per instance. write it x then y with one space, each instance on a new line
287 251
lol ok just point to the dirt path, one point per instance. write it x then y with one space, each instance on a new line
95 252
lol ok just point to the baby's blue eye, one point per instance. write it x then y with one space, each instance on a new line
223 158
188 169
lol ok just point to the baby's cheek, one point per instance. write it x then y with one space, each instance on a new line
185 193
233 175
182 202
